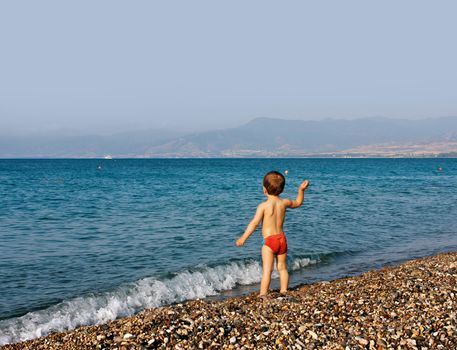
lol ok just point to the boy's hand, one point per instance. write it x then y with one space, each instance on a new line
239 242
304 185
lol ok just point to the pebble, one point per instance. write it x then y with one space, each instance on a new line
411 342
361 341
312 334
302 329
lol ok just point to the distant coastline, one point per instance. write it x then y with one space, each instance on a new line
285 156
259 138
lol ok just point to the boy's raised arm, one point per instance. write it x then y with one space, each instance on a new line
300 195
252 225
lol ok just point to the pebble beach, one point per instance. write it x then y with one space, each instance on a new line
410 306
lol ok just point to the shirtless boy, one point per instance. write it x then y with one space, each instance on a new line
271 213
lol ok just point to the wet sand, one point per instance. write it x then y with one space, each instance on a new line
410 306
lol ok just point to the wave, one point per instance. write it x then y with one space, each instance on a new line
134 297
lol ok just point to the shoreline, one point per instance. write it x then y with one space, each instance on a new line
412 305
441 156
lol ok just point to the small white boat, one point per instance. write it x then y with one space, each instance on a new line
108 157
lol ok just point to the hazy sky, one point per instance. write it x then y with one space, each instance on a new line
106 66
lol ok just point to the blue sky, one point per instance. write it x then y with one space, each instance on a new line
108 66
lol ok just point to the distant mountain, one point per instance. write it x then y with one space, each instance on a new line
277 137
128 144
261 137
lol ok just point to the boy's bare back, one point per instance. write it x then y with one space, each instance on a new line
274 211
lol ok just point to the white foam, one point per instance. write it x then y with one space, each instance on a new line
298 264
131 298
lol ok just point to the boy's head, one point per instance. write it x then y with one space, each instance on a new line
274 183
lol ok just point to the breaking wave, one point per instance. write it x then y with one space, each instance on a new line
134 297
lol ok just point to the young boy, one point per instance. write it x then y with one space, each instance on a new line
271 213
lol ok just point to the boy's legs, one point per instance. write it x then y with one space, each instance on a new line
281 265
267 262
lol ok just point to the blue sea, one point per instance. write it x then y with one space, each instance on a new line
87 241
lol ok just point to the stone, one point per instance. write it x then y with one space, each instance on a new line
362 341
312 334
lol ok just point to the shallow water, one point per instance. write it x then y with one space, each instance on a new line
86 241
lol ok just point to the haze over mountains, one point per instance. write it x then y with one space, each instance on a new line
261 137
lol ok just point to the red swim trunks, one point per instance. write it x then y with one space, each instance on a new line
277 243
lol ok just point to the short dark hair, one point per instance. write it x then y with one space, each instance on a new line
274 182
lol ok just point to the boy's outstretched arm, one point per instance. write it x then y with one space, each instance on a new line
300 195
252 225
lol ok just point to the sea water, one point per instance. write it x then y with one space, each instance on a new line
87 241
